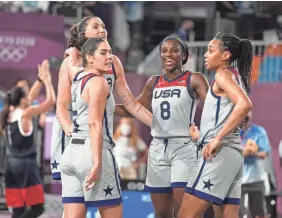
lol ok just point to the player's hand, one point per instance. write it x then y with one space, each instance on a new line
194 132
93 176
69 131
72 53
211 149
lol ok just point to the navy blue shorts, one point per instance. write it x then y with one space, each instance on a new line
24 186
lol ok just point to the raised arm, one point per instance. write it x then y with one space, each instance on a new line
37 85
98 90
128 100
43 107
200 84
225 82
145 99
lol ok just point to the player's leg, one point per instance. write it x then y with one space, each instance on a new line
106 192
15 181
231 203
158 180
213 181
34 191
184 164
72 188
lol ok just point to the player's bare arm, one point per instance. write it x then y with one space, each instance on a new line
64 98
200 84
128 100
225 84
145 99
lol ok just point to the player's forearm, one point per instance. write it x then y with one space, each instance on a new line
63 115
238 114
140 112
121 111
96 142
50 94
35 90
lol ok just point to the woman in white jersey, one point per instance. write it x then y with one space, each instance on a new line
86 28
89 171
172 97
218 180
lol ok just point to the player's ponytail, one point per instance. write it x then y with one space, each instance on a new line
244 62
241 55
73 40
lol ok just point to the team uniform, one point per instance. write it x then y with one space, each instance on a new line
59 140
172 154
77 161
24 186
219 180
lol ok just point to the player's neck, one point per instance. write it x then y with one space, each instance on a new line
174 73
93 70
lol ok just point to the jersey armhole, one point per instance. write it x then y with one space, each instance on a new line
77 74
156 82
188 85
85 80
21 127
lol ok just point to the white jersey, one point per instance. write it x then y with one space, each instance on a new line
173 106
216 111
59 140
80 110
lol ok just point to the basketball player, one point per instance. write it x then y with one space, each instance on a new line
88 27
89 170
219 177
24 187
172 98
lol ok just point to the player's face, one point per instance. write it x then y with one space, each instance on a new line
96 28
171 55
102 58
215 55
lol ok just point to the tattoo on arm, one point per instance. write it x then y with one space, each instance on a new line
125 99
139 108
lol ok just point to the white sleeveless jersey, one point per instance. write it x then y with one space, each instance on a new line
216 111
173 106
80 109
59 141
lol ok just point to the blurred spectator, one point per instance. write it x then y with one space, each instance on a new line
135 54
114 18
130 150
28 6
254 169
186 32
135 15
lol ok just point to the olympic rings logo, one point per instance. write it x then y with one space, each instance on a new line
10 53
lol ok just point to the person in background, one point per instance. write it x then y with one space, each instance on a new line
34 91
24 187
185 31
254 170
130 150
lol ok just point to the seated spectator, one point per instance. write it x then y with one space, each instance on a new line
130 150
254 169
